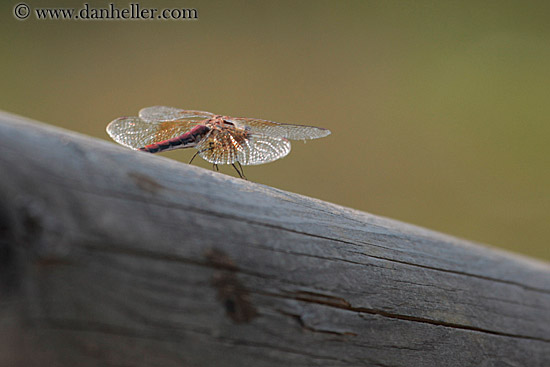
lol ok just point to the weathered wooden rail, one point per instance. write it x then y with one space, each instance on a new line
110 257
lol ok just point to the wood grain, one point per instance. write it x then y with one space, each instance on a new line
111 257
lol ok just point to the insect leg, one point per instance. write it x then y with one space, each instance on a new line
242 170
241 175
194 155
198 152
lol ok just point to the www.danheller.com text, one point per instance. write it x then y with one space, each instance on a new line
133 11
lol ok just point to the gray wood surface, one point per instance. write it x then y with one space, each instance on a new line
111 257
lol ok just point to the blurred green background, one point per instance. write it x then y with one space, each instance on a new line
438 109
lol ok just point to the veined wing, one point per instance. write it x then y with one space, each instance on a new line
279 130
248 149
163 113
135 133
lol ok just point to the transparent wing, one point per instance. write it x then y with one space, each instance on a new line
163 113
135 133
279 130
247 149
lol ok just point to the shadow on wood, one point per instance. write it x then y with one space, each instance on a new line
115 257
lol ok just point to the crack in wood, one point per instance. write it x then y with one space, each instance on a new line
220 262
300 320
325 299
341 303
